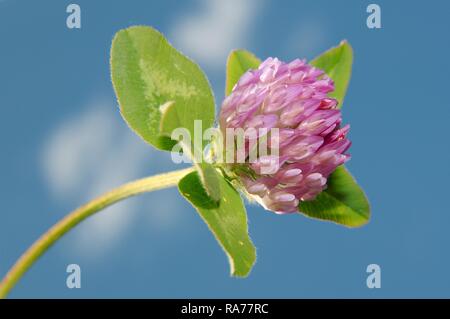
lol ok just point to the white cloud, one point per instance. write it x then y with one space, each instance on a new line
209 34
91 153
73 151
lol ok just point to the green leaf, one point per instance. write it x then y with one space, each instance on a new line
343 201
210 180
239 61
227 220
337 63
208 175
147 74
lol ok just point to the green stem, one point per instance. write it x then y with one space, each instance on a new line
41 245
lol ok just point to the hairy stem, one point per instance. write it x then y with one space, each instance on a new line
41 245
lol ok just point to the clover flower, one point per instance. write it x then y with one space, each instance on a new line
311 144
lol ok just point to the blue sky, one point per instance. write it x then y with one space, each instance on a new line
63 142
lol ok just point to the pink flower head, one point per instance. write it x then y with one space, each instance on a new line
311 143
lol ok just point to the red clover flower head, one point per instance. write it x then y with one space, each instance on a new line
310 142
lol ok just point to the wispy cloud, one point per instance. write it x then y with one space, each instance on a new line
209 33
91 153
